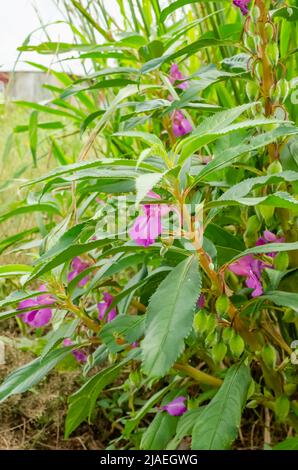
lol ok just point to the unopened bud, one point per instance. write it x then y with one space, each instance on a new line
236 345
227 334
252 90
268 354
284 89
269 29
267 212
274 168
272 53
219 351
200 322
222 304
281 261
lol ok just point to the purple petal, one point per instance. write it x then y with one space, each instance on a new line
39 318
176 407
79 355
27 303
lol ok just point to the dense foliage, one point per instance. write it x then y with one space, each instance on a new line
165 252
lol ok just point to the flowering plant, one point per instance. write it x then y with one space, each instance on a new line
168 247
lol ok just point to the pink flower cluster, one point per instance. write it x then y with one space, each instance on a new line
243 5
181 125
148 227
252 268
39 316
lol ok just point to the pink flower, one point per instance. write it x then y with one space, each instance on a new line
37 317
176 407
181 125
148 227
176 75
78 354
103 307
77 267
243 5
269 237
252 268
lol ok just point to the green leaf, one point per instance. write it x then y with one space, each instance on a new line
42 207
269 248
127 327
290 13
12 270
170 316
106 34
178 4
159 432
146 408
33 134
82 402
185 426
148 138
223 159
144 184
27 376
291 443
217 426
283 299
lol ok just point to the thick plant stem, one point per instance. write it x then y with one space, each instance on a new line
198 375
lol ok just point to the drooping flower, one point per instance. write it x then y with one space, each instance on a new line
148 227
78 354
104 306
176 75
243 5
77 267
38 316
269 237
252 268
176 407
181 125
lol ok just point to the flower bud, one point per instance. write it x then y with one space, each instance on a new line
255 14
211 339
219 351
274 168
250 235
275 94
269 29
267 212
281 261
252 90
289 316
282 408
249 42
290 389
227 334
284 89
268 354
210 323
200 322
258 70
236 345
272 53
222 305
